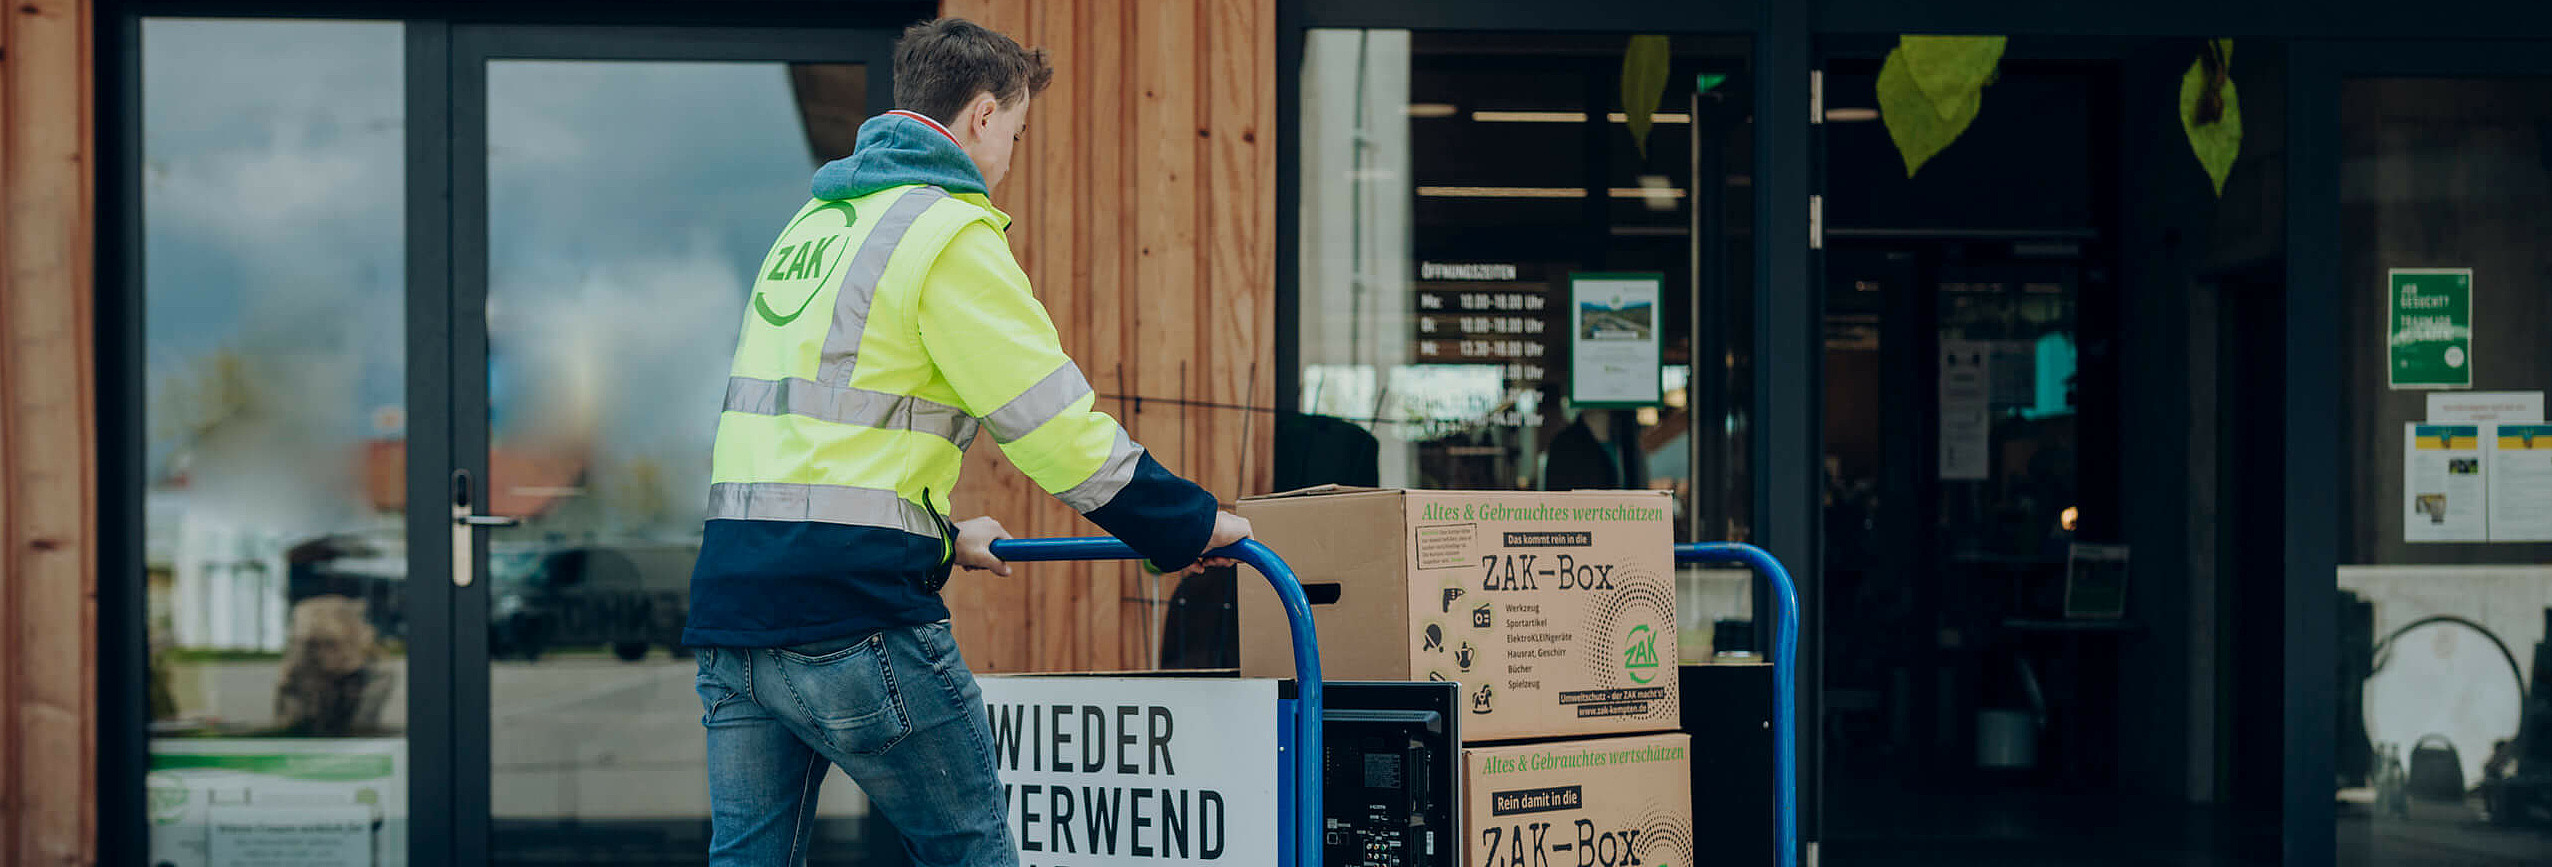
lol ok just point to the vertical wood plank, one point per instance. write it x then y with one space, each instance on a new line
47 436
1214 266
1053 592
1177 286
1163 315
1103 223
1062 32
9 583
1240 253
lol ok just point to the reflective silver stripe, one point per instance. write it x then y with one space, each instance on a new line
1043 401
847 405
830 504
1102 486
859 282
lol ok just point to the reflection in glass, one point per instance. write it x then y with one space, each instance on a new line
1435 273
628 205
2445 739
274 448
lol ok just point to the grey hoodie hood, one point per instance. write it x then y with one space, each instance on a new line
895 149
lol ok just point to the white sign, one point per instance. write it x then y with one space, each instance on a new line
2484 406
1967 422
1615 347
2444 493
2520 469
291 836
1137 770
278 802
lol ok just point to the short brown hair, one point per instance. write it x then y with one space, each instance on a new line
940 65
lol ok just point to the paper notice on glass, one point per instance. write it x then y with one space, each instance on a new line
2520 469
294 836
2444 494
2431 338
1967 431
2484 407
1615 347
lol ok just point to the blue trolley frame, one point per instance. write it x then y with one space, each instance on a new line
1300 717
1785 688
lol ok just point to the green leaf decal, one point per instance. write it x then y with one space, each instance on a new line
2211 111
1920 125
1643 85
1951 69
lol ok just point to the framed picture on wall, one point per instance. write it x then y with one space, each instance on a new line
1615 346
2096 582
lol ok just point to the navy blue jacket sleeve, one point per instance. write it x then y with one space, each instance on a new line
1165 518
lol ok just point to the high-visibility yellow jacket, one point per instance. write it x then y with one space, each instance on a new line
887 328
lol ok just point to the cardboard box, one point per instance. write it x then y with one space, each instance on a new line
1555 611
1607 802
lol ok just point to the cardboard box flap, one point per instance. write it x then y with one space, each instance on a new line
1320 491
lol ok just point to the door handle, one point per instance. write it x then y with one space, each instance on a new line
465 521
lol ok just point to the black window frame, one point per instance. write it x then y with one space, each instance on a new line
449 822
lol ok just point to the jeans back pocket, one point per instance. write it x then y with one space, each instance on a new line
848 694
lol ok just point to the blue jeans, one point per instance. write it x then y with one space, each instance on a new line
896 709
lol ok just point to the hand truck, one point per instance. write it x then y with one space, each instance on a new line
1300 717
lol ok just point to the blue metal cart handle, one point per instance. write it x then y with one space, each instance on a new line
1306 741
1785 672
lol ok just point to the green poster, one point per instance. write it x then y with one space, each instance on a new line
2431 327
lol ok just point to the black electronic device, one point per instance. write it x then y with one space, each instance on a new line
1393 774
1734 799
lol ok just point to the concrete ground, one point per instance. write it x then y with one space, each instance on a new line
600 761
575 737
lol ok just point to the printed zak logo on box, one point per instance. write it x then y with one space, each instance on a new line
1639 662
1623 656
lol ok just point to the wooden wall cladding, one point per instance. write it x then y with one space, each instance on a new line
1144 195
48 435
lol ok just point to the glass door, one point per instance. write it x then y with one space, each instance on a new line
1955 287
2443 182
277 567
614 192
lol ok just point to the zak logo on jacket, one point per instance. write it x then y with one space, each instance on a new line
804 260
